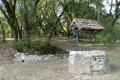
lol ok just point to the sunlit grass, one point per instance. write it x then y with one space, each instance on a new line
52 70
55 69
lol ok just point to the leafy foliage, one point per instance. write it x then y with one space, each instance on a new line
24 46
52 50
25 18
47 42
35 47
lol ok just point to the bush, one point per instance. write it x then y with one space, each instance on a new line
44 50
110 35
24 46
36 45
47 42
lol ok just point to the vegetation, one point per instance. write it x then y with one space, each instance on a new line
34 17
35 47
23 19
40 27
24 46
52 50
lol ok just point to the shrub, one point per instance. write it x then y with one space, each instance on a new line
24 46
36 45
44 50
47 42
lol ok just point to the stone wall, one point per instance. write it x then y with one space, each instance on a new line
89 62
25 57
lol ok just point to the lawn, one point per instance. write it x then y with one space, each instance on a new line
56 69
47 70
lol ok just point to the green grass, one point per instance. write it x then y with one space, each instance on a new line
51 70
55 69
36 71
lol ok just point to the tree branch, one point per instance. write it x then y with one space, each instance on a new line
8 7
111 10
54 27
4 13
14 6
117 13
37 1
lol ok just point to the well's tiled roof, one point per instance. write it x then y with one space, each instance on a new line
84 24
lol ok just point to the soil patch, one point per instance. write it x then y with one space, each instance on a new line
7 53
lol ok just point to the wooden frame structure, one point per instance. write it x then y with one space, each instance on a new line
84 25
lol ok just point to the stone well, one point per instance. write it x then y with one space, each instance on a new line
89 62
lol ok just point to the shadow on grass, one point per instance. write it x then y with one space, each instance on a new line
114 68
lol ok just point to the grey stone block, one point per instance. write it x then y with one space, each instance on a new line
88 62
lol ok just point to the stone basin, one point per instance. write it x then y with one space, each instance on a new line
89 62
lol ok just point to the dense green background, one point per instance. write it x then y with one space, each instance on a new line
35 18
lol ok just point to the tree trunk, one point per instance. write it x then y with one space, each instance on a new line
42 28
51 34
3 32
11 18
26 23
55 26
64 30
40 23
18 29
14 30
39 33
55 32
68 31
15 33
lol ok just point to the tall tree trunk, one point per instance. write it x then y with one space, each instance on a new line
11 18
117 12
40 23
42 28
15 21
39 32
3 32
14 32
68 31
51 34
18 29
63 30
26 24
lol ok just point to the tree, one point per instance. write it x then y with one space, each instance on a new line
32 17
10 15
3 31
117 11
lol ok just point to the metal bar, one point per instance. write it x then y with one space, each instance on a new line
96 43
75 46
77 43
77 32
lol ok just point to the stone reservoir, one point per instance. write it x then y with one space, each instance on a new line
89 62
